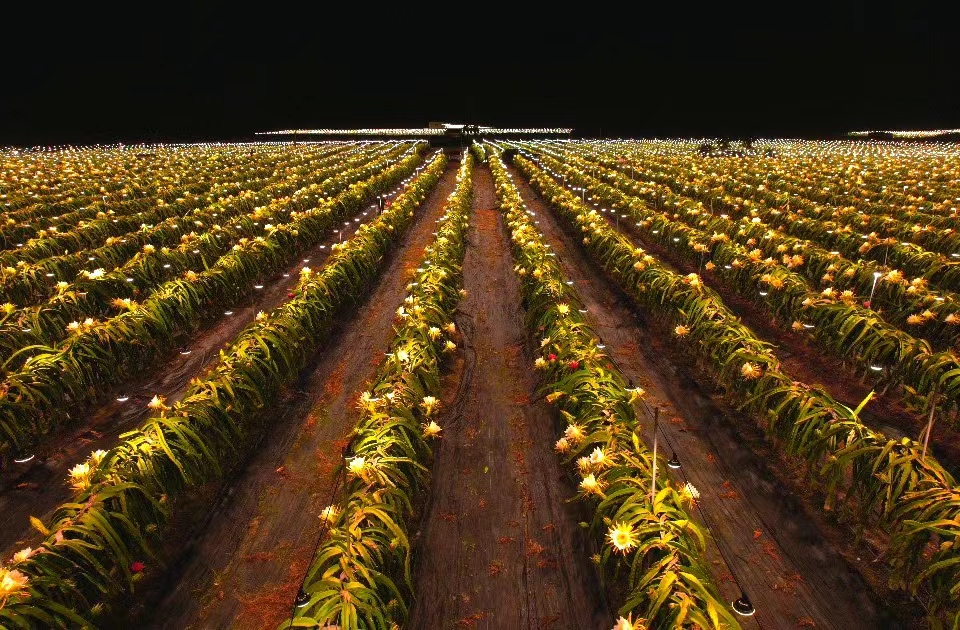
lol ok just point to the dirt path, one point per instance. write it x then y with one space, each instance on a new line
499 546
782 558
41 487
245 565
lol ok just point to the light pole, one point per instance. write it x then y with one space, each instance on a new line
742 605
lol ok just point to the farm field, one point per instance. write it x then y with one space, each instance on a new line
517 384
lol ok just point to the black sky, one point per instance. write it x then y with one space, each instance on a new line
203 73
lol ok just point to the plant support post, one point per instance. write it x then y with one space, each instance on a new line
929 429
653 481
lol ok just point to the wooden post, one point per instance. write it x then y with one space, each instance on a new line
929 429
653 482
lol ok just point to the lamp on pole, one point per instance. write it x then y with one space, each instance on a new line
876 276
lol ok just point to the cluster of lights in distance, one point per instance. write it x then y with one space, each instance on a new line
354 132
932 133
407 132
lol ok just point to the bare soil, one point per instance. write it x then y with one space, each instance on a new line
791 563
499 544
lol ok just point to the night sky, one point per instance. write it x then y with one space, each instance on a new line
204 74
